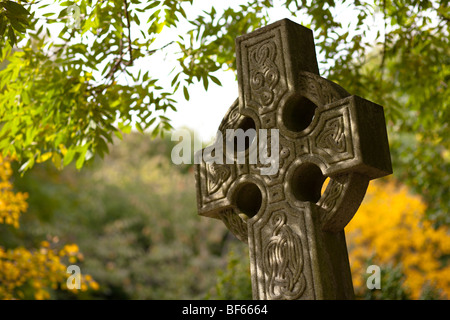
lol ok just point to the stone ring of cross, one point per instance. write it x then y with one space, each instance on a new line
294 231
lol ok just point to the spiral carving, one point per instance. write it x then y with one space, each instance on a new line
264 74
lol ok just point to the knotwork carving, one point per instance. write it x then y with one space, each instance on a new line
217 175
283 261
332 195
235 224
320 90
332 136
264 74
231 118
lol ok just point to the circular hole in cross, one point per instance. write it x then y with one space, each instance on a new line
298 114
245 124
307 182
248 199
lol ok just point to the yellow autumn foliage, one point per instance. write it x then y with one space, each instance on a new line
11 204
37 270
390 228
34 272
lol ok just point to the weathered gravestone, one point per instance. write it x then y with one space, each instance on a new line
295 234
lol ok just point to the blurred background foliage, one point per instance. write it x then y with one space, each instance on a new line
130 220
133 216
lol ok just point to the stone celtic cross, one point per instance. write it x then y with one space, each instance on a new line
294 231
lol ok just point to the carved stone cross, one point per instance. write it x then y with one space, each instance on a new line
294 231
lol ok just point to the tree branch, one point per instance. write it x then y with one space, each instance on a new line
119 60
130 62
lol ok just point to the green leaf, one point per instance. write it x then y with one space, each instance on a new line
44 157
11 36
27 165
151 122
118 134
56 159
102 147
186 93
82 157
2 26
15 23
152 5
68 157
160 27
125 128
205 81
16 8
215 80
175 79
136 19
139 127
25 97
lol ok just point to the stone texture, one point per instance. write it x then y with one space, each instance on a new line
295 234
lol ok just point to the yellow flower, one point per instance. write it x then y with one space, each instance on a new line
45 244
71 249
94 285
